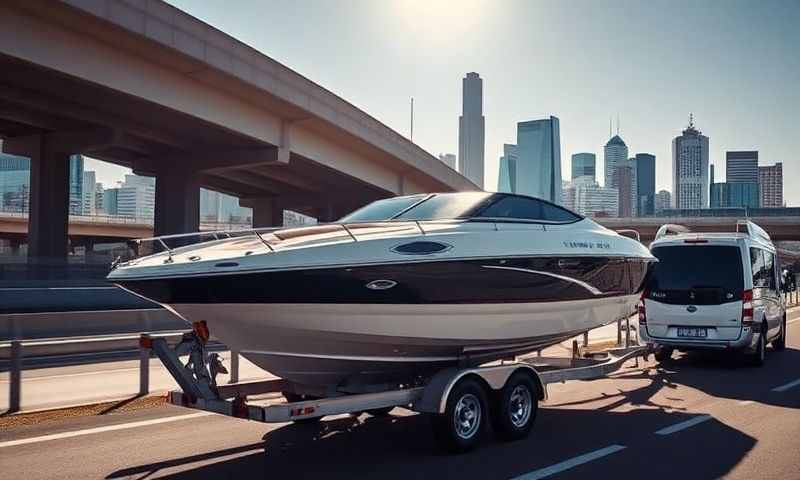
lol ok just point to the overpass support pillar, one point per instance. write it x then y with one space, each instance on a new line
177 208
267 211
48 219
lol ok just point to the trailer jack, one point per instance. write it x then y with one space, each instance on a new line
198 376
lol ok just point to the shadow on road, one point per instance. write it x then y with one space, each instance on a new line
402 447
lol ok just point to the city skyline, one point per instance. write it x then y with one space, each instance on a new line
739 109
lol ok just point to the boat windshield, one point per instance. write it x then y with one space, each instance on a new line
478 205
446 206
382 209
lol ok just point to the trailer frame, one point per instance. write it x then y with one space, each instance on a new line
431 395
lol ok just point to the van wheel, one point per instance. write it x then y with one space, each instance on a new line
516 406
461 427
758 357
780 343
663 354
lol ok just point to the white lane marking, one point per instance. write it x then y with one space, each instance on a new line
571 463
792 321
746 402
81 374
16 289
787 386
683 425
110 428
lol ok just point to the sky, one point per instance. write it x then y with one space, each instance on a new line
733 64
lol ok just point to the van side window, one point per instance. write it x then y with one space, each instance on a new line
762 272
769 270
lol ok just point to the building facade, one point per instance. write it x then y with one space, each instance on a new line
584 165
89 193
623 181
690 168
507 178
471 130
538 165
76 184
741 167
734 195
645 184
136 197
111 201
593 200
14 183
448 159
770 185
663 201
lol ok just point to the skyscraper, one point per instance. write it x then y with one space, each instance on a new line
615 154
741 167
538 165
471 130
770 184
583 165
663 201
448 159
89 192
690 168
645 184
623 181
507 180
76 184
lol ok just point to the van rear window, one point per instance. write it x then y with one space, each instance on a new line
701 275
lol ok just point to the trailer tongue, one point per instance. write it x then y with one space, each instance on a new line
461 401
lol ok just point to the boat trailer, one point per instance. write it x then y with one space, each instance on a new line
459 400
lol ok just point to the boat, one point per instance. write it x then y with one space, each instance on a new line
400 288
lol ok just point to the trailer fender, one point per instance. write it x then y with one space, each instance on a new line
434 397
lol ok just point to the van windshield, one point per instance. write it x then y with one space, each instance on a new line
700 275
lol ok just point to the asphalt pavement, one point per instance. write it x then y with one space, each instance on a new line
699 416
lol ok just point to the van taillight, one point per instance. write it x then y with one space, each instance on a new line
747 308
641 309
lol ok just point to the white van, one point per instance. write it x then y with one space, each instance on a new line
714 291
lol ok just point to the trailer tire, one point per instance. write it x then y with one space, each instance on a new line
517 403
462 426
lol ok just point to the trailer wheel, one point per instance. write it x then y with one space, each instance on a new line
516 407
461 427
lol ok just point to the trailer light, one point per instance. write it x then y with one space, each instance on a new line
641 309
201 330
145 342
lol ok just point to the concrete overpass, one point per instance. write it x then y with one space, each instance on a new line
785 228
147 86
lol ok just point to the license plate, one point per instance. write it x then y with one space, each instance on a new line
692 332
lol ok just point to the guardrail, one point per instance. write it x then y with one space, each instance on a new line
18 349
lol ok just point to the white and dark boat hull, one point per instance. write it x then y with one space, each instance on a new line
342 344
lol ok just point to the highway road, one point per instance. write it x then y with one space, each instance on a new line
699 416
